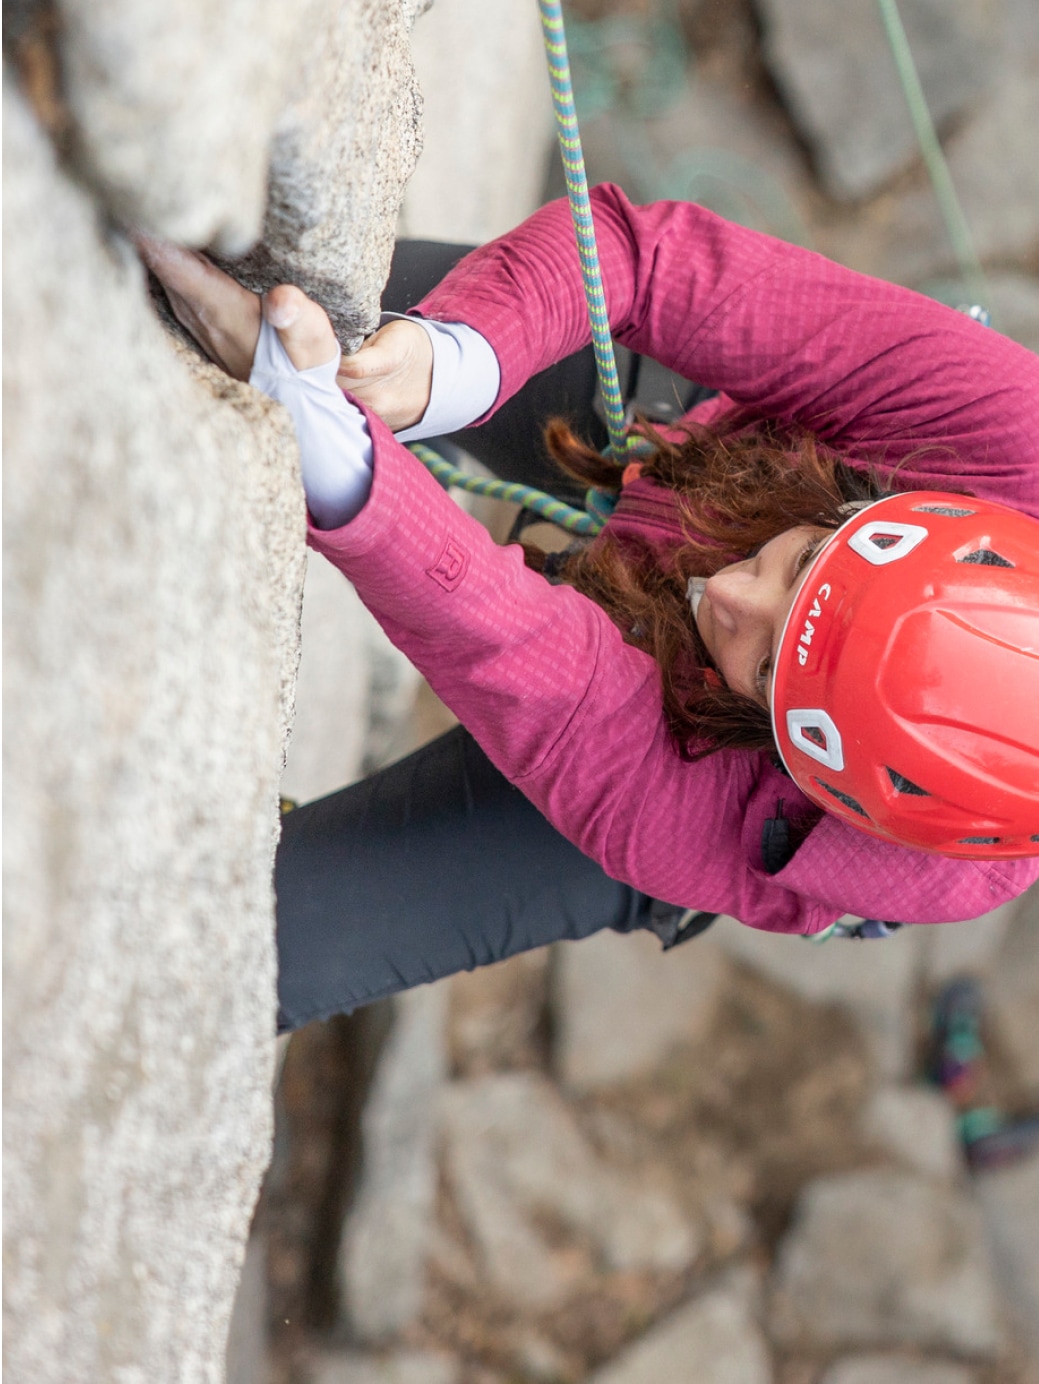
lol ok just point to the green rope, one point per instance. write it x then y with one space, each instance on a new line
546 506
581 213
931 149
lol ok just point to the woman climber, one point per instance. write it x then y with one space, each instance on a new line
766 689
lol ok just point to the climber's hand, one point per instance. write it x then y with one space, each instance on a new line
392 373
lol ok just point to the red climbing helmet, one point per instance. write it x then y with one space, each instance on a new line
906 691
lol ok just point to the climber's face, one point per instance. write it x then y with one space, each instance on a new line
743 608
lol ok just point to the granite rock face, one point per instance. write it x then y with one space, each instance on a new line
1009 1199
623 1004
335 183
917 1126
386 1238
873 982
150 646
154 558
1013 991
172 107
892 1369
487 127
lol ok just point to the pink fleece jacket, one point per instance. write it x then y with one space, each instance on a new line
541 676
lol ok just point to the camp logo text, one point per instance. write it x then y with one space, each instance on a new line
807 634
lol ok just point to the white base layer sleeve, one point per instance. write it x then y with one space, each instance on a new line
334 442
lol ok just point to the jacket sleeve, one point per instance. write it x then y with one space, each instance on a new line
566 710
882 374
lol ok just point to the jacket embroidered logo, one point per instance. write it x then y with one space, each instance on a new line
451 566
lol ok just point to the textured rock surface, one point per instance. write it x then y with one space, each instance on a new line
336 182
172 107
713 1340
959 949
514 1154
497 1014
841 85
153 564
153 549
387 1234
328 735
402 1367
300 125
901 236
623 1003
1012 991
247 1333
878 1258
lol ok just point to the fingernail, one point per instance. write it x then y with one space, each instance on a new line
281 316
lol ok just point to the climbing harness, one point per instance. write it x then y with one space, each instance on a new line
867 930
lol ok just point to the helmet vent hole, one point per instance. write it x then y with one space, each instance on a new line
985 557
979 841
844 798
903 785
813 732
947 510
1035 837
883 541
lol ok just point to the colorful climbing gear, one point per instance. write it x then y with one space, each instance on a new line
957 1064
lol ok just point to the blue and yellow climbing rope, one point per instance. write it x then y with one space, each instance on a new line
581 212
591 519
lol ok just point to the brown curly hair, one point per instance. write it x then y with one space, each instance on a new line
736 488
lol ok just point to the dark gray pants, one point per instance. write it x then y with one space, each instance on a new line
434 865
